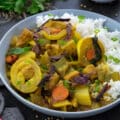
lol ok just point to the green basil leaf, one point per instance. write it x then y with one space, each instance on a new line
19 50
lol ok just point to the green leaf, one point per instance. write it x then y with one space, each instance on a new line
19 50
97 82
105 57
62 42
44 67
36 6
81 18
18 82
43 41
51 15
97 88
96 31
66 83
97 85
75 40
114 39
116 60
19 6
7 5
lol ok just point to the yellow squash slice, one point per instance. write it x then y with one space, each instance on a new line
25 75
83 46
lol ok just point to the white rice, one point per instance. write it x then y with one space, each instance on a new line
114 91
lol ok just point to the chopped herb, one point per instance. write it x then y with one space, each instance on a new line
97 82
114 39
29 83
66 83
97 85
116 60
62 42
101 92
44 67
42 41
27 62
75 40
51 15
96 31
97 88
19 50
105 57
18 82
81 18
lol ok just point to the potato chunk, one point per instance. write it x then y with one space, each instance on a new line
82 95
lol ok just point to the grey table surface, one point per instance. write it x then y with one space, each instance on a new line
111 10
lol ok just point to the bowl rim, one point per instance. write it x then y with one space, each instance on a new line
47 110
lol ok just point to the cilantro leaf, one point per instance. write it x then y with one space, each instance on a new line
96 31
66 83
116 60
43 41
114 39
81 18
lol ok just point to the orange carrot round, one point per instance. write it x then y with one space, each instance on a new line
11 58
55 30
60 93
90 54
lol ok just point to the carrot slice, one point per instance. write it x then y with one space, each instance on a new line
11 58
60 93
55 30
90 54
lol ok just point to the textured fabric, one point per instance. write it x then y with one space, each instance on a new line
12 113
2 103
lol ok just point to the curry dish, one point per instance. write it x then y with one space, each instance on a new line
55 67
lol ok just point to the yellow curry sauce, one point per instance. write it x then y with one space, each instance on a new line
56 68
